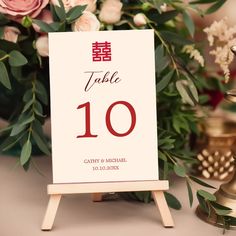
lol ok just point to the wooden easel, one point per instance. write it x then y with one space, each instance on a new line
156 187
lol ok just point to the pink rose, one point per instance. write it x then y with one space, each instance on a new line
41 46
140 19
68 4
20 8
11 34
45 16
87 22
111 11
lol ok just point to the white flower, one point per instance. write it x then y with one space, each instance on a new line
140 19
163 7
87 22
222 37
194 53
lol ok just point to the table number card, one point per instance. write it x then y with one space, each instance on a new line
103 105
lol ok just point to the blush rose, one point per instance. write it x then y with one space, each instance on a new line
87 22
68 4
111 11
21 8
11 34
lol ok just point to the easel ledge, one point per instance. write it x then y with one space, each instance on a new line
156 187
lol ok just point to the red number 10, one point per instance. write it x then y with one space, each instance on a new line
88 133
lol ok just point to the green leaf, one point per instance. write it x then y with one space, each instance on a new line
203 204
60 12
9 143
221 210
26 165
206 195
172 201
17 59
198 181
3 19
8 46
44 27
25 152
38 109
28 95
190 194
165 170
203 1
143 196
17 129
163 17
180 122
4 78
164 82
74 13
54 14
28 105
179 170
17 73
189 23
1 32
2 53
5 129
27 120
193 90
215 6
41 144
181 86
56 26
161 61
41 92
61 4
203 99
174 38
162 156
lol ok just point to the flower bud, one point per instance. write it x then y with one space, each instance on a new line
41 46
140 19
26 21
146 6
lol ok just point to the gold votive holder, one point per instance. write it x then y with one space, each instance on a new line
215 147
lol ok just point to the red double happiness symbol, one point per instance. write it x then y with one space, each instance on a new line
101 51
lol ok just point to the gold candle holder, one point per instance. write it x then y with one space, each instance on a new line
215 149
226 195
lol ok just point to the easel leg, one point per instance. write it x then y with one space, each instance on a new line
51 211
161 203
97 197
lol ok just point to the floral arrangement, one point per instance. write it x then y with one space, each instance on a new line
24 74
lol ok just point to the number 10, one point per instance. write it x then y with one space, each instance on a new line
88 133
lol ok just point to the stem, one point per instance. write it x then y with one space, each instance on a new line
167 48
33 106
4 57
168 155
128 14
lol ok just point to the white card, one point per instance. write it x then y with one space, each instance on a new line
103 106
